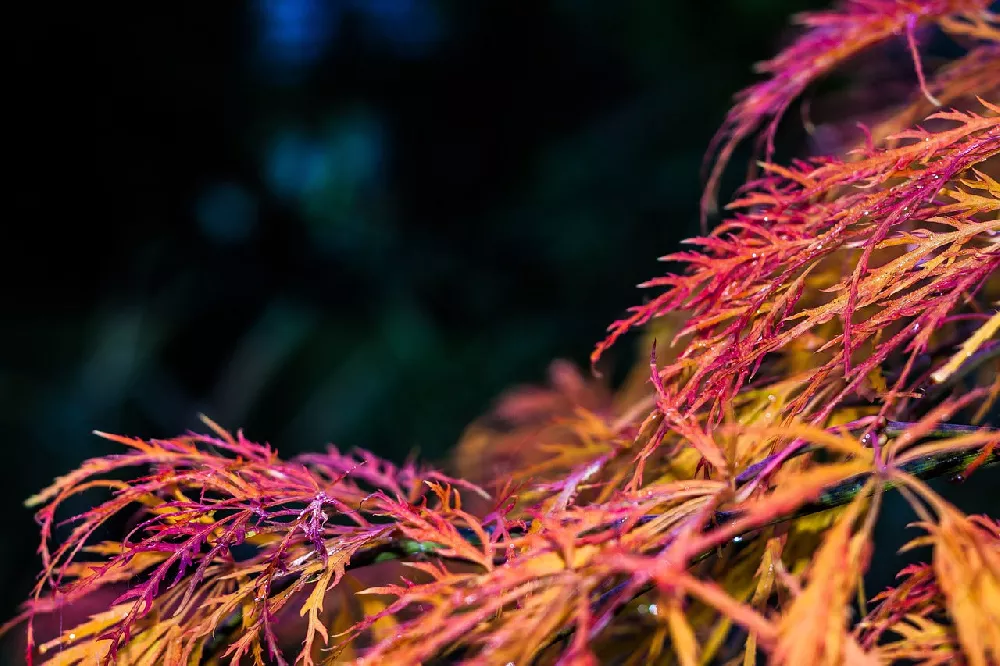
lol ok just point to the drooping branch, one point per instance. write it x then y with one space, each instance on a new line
943 465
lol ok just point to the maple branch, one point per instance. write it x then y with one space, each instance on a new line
949 464
891 430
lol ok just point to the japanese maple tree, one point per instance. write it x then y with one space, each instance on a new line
833 338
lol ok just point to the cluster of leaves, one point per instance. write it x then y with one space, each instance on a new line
834 337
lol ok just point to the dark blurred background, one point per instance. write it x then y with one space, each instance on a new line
353 221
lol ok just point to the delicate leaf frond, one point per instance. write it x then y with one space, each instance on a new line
914 226
831 39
